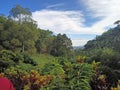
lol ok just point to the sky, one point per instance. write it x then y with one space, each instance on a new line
80 20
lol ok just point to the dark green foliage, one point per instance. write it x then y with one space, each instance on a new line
17 37
8 58
112 76
43 44
109 39
69 76
53 69
106 49
26 37
28 60
79 77
62 46
110 65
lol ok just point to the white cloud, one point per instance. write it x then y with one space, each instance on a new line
55 5
107 10
103 8
59 21
72 22
63 22
79 42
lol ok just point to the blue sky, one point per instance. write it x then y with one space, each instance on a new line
81 20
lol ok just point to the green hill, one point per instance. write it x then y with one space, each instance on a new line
109 39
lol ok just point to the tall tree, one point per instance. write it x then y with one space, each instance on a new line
27 34
62 46
19 13
45 40
14 36
27 31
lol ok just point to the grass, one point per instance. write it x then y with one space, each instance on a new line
42 59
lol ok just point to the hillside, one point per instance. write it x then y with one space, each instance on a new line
106 50
109 39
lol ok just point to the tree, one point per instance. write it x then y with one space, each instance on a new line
62 46
14 36
117 22
27 36
20 13
27 31
3 20
44 42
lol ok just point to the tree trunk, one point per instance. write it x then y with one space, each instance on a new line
23 47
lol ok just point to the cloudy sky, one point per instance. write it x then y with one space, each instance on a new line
81 20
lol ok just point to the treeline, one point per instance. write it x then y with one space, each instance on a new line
19 33
109 39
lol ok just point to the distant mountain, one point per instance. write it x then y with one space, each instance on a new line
109 39
78 47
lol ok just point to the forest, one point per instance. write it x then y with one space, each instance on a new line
37 59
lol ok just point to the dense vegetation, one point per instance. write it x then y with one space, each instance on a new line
36 59
106 50
109 39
